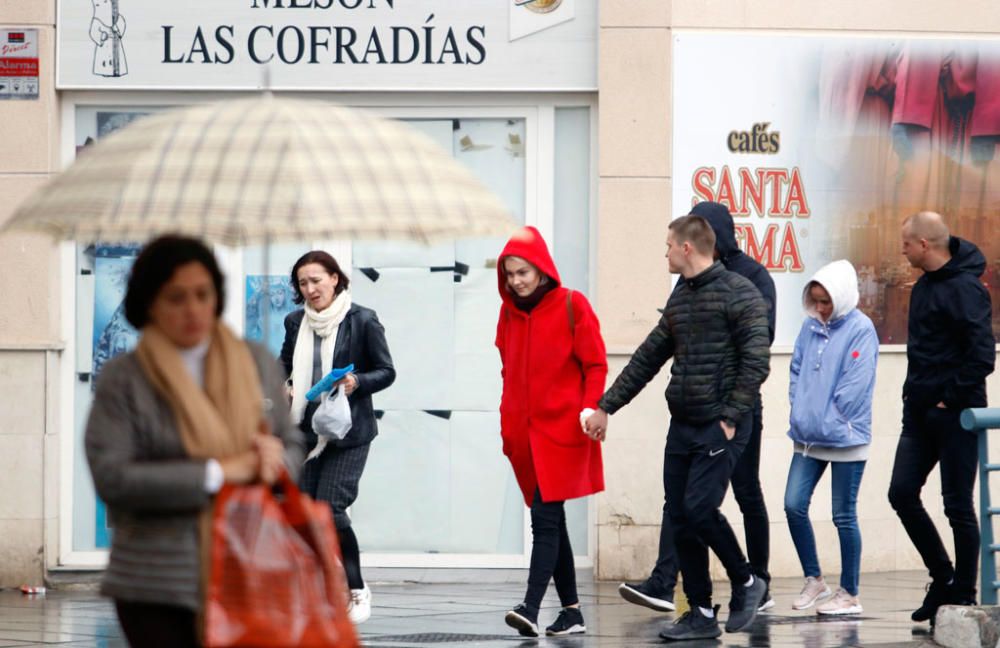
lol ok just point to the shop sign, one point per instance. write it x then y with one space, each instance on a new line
534 45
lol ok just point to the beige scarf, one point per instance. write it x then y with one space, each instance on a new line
216 422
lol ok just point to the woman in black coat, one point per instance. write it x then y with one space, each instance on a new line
330 332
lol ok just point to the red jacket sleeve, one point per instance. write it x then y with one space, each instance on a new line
500 340
986 112
917 85
588 347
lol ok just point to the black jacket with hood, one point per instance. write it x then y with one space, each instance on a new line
734 259
950 348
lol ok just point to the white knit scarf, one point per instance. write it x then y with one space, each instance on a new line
325 324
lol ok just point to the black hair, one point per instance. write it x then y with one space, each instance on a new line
329 264
157 263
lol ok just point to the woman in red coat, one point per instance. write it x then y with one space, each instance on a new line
554 368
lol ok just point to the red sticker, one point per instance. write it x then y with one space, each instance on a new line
855 355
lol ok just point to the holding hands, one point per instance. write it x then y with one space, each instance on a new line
596 424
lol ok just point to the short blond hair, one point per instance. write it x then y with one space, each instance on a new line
696 231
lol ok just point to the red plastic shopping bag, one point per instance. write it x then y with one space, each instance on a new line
276 577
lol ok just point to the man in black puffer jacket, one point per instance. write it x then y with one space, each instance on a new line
950 352
657 591
715 328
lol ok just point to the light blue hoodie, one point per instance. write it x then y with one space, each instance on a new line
833 367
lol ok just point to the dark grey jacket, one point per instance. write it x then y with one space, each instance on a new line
715 328
153 490
361 342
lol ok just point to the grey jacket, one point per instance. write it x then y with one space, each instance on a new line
153 490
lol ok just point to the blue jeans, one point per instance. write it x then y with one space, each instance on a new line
803 476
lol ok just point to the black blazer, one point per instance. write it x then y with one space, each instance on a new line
361 341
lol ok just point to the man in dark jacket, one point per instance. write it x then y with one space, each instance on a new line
657 591
950 351
715 328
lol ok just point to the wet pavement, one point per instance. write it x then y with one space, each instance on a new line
420 615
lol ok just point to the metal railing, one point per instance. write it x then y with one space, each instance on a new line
981 420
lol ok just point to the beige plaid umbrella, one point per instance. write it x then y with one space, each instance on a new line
263 170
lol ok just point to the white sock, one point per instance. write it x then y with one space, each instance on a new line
707 613
749 582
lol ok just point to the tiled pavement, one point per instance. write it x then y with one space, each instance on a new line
412 615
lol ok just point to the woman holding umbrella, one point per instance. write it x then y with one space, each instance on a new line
554 368
330 331
191 408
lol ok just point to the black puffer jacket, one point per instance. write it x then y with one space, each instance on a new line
715 328
950 349
361 342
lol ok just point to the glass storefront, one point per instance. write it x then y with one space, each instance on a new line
436 470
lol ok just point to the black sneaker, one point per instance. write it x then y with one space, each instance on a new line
523 620
647 596
744 605
938 594
693 625
569 621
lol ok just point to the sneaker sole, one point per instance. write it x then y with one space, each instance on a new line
712 634
857 609
524 627
576 629
638 598
767 605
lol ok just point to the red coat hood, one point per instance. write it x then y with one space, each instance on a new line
528 244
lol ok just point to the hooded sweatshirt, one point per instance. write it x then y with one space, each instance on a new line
950 348
554 366
734 259
833 372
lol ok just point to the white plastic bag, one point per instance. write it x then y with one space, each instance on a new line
332 418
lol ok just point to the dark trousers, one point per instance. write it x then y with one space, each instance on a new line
749 496
551 554
148 625
699 464
931 437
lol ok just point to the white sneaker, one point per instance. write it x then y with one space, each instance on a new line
359 608
841 603
814 590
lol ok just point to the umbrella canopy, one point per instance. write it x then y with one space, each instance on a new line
264 170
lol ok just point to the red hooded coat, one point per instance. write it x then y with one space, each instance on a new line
552 369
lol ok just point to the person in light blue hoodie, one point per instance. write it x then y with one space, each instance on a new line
832 380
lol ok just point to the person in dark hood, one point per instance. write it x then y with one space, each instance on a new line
657 591
950 351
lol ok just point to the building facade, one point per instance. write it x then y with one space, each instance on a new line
595 121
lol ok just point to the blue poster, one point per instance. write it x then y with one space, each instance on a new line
112 332
269 300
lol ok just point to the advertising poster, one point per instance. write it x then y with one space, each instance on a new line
822 146
268 301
